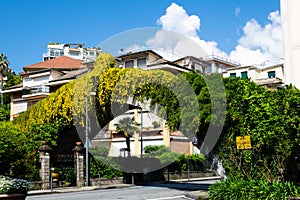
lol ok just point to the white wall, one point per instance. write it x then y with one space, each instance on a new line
19 106
290 20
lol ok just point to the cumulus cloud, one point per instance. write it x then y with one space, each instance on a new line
177 19
179 37
260 43
257 43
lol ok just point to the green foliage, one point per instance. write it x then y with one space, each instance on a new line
4 113
56 109
156 124
12 143
270 121
153 148
101 164
241 189
42 132
157 152
168 157
176 162
271 118
184 162
34 137
12 79
127 126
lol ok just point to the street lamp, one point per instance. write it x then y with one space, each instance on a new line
93 93
141 109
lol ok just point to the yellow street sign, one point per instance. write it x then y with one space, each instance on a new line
243 142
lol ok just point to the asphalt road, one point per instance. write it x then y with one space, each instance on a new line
133 193
162 191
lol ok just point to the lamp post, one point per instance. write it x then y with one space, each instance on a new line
141 108
93 93
86 142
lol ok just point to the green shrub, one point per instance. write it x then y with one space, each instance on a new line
13 185
241 189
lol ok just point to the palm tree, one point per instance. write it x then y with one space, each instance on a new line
3 68
126 127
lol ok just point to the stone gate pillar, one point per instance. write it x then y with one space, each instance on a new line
79 164
44 151
166 135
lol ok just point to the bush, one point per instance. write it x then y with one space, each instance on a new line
13 185
240 189
11 149
101 164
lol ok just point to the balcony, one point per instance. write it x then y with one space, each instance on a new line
37 92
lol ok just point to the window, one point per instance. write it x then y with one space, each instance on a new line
233 75
271 74
209 70
192 66
51 52
129 64
74 53
141 62
92 53
244 74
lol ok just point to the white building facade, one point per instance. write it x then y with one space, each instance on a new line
290 19
76 51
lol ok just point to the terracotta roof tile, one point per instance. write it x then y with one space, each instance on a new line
63 62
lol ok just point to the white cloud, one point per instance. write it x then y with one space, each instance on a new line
177 19
237 11
257 43
260 43
179 37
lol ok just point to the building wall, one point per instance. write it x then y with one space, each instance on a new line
238 72
255 73
150 59
290 18
278 72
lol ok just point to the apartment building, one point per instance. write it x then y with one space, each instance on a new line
73 50
270 75
40 79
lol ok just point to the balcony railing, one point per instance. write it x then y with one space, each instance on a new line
35 90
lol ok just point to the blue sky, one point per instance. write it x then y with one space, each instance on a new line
232 25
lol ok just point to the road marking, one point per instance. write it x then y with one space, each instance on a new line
174 197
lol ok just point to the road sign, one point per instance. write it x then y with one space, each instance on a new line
243 142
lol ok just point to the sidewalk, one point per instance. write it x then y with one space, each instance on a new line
76 189
196 194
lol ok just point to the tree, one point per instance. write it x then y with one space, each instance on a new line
12 142
126 127
12 79
3 68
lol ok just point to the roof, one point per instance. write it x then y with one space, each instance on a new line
191 58
268 81
139 54
38 71
71 75
15 86
63 63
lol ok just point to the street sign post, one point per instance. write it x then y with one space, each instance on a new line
243 142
